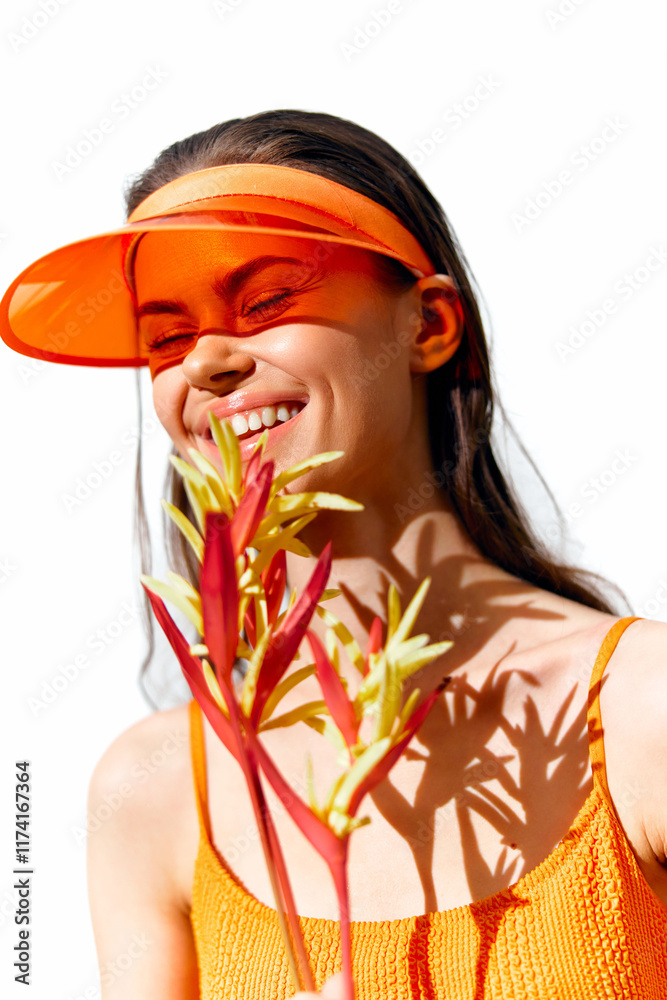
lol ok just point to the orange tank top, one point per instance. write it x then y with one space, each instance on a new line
583 925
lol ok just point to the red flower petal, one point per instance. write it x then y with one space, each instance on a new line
252 468
219 594
252 508
335 695
194 672
323 839
274 578
374 638
285 641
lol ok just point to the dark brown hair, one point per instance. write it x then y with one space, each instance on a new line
460 394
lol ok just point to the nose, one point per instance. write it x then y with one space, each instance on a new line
216 359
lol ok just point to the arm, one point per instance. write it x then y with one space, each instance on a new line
141 924
635 711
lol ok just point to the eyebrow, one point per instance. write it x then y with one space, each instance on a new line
227 286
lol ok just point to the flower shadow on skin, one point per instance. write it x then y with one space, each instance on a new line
459 765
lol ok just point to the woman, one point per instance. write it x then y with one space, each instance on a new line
536 870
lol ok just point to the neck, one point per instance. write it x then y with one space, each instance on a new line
371 550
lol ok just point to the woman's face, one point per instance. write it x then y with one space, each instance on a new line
273 327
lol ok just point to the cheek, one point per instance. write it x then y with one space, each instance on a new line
167 401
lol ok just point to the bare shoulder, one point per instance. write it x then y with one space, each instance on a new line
141 848
633 710
141 791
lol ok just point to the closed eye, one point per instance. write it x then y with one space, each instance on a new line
164 338
269 305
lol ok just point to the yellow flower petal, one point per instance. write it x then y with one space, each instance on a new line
186 527
310 786
180 583
362 766
220 437
343 825
327 728
414 661
330 592
197 503
252 673
407 621
268 547
349 642
394 612
284 687
214 687
300 714
331 794
261 442
215 482
234 451
177 598
389 699
305 502
244 650
301 468
406 711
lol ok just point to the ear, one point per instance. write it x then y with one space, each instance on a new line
441 323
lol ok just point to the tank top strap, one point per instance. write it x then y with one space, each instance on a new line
198 752
594 722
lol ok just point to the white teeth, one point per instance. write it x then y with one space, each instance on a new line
239 424
254 420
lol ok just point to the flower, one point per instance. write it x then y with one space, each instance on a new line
245 528
261 520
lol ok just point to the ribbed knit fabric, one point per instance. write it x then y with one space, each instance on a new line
583 925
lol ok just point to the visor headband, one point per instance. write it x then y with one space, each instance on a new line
76 305
299 195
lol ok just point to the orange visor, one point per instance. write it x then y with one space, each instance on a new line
76 305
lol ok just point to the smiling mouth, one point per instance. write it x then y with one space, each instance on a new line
247 424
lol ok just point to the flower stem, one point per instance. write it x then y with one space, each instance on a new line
297 937
338 868
272 852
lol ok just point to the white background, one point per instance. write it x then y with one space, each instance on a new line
555 80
